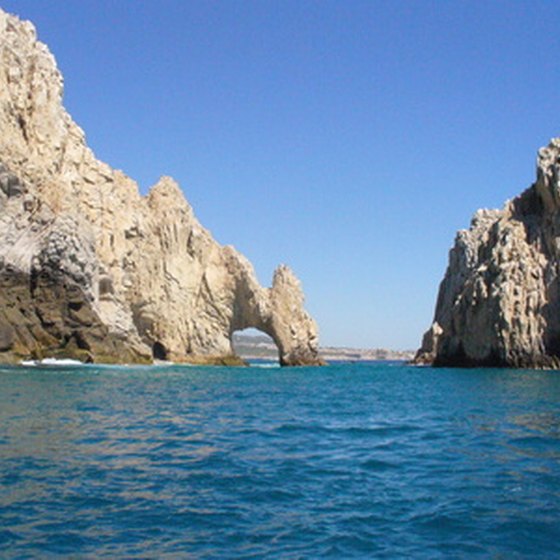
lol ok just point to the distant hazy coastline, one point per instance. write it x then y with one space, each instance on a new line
254 347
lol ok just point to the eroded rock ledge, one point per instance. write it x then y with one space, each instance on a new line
91 269
499 302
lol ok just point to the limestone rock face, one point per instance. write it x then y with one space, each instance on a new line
89 268
499 302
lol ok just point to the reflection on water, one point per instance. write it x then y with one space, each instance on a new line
344 461
545 423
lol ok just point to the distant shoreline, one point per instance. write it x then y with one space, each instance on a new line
250 347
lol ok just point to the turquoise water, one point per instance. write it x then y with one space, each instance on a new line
347 461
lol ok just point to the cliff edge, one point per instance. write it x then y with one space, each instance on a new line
499 302
90 269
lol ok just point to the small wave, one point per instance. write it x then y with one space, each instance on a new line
377 430
288 428
51 362
378 465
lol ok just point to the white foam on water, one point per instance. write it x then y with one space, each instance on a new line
52 362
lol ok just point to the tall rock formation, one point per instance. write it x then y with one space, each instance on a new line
91 269
499 302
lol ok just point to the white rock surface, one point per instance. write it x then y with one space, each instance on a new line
90 268
499 303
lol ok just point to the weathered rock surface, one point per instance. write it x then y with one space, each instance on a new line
499 302
89 268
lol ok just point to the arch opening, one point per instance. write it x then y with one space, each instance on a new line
159 351
254 346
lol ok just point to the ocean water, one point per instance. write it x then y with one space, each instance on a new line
348 461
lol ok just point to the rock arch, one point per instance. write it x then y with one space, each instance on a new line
250 344
279 312
138 276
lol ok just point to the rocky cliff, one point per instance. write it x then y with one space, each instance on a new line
499 302
89 268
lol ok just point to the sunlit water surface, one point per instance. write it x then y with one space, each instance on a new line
347 461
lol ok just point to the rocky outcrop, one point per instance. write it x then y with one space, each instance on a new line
89 268
499 302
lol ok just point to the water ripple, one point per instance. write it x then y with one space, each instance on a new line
359 461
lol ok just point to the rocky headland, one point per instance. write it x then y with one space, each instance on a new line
499 302
92 270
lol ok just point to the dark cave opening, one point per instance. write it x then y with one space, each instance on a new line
159 351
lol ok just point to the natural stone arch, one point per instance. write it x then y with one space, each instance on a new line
82 251
278 312
252 343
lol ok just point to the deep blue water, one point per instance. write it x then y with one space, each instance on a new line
347 461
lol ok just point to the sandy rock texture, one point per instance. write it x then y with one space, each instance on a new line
89 268
499 302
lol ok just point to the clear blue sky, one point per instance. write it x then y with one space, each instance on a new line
347 139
